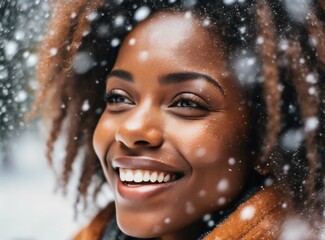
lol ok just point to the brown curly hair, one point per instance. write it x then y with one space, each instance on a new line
288 91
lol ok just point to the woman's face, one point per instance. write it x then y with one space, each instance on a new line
173 138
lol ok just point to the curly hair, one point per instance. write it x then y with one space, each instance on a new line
287 95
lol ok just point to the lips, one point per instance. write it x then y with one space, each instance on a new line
143 177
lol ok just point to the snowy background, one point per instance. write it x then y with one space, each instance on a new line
29 207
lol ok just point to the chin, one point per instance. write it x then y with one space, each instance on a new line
138 230
136 227
145 226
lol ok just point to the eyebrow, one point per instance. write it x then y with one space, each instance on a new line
186 76
170 78
122 74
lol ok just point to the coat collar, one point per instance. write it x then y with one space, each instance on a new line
260 217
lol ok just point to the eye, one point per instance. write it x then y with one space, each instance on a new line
189 104
189 100
186 103
112 98
118 100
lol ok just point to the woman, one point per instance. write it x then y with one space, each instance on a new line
213 121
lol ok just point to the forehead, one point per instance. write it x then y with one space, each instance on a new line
167 28
174 34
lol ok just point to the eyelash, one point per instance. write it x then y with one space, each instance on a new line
115 98
192 101
189 99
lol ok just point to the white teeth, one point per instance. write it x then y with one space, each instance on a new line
122 175
129 175
138 176
146 176
161 177
167 178
153 177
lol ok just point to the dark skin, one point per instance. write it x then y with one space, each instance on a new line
174 111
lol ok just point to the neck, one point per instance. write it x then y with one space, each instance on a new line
192 232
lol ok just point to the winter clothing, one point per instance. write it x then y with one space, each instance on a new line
260 217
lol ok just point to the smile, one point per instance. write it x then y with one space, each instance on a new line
140 177
130 176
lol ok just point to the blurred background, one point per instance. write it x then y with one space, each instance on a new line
29 207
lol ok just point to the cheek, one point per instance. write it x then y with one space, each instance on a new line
211 142
104 135
217 154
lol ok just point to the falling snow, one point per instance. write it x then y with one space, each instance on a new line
200 152
206 22
119 21
286 168
292 139
311 78
141 13
189 208
202 193
73 15
21 162
21 96
221 201
211 223
246 68
207 217
312 91
283 44
132 41
92 16
85 106
298 9
247 213
311 124
167 220
229 2
260 40
53 51
115 42
189 3
231 161
10 49
268 182
188 14
31 60
295 229
18 80
143 56
223 185
83 62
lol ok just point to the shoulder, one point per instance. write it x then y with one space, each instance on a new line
260 217
95 228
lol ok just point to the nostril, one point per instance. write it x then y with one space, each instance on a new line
141 142
141 137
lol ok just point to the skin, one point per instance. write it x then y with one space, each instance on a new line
194 126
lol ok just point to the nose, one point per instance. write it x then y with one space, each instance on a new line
142 128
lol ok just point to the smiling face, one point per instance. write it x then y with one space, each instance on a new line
173 138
